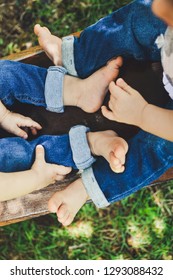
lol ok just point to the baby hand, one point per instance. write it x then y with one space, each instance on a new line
13 121
47 173
126 104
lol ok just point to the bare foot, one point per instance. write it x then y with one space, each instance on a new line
50 44
66 203
109 145
88 94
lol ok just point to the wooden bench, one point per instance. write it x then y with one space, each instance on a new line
35 204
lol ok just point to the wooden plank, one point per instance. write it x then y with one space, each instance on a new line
25 54
35 204
31 205
34 55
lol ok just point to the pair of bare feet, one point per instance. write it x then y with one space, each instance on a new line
88 94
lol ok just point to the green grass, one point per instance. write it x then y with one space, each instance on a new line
17 19
138 227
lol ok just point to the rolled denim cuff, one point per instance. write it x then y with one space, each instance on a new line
80 148
53 90
93 188
68 55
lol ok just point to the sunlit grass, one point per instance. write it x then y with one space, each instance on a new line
80 229
135 228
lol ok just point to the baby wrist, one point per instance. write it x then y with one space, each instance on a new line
145 113
38 179
4 114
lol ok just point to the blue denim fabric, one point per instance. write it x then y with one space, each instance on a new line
147 159
130 32
32 84
17 154
22 82
26 83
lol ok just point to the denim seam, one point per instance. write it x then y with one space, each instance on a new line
38 101
87 163
119 197
22 97
93 189
6 98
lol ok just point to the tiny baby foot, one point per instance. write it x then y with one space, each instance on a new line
88 94
51 44
67 203
109 145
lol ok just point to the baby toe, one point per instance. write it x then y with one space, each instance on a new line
120 153
114 160
62 212
68 220
118 169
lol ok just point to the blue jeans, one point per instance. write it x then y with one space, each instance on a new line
17 154
148 156
147 159
32 85
28 84
130 32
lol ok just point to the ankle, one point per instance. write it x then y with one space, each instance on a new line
93 143
99 141
71 94
85 194
79 186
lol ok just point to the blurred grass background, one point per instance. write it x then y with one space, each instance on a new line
62 17
138 227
